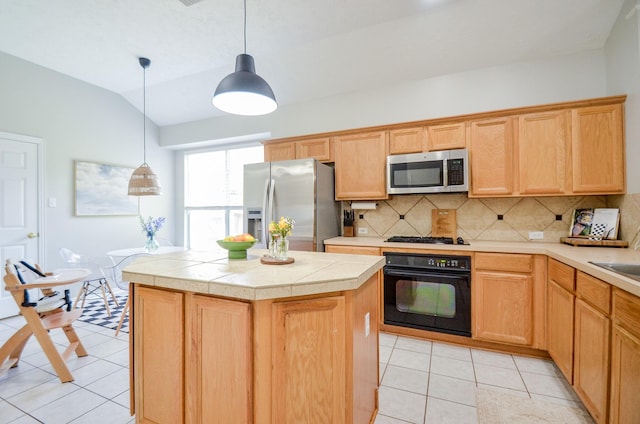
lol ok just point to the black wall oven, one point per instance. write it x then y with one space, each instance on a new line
428 292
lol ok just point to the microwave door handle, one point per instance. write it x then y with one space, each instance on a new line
445 172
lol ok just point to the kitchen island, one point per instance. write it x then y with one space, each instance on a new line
237 341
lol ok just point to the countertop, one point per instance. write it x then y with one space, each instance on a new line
211 272
575 256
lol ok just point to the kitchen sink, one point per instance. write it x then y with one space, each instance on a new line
628 270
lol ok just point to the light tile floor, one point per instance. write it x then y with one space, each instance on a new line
421 381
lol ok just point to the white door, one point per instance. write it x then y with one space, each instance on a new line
20 207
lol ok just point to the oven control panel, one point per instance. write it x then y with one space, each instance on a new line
413 260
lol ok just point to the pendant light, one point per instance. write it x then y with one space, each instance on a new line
244 92
143 181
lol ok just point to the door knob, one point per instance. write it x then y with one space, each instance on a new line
32 235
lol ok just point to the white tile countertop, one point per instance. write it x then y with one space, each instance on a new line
211 272
575 256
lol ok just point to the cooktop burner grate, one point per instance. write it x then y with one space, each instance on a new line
416 239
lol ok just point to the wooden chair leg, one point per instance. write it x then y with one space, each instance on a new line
113 296
104 296
74 341
11 351
49 348
124 314
82 294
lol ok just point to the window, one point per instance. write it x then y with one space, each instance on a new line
213 193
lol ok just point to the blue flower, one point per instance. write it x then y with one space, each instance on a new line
151 226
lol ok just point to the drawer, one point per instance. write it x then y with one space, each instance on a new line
504 262
594 291
626 311
563 274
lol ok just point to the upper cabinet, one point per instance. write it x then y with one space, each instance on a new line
447 136
491 150
597 147
279 151
407 140
317 148
561 149
543 144
577 149
360 166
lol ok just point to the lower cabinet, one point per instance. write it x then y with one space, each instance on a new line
591 366
508 299
625 359
579 334
204 359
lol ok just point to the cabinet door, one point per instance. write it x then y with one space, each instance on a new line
503 307
597 148
279 151
492 150
218 353
591 362
309 367
316 148
560 328
360 166
543 143
625 384
406 140
158 365
447 136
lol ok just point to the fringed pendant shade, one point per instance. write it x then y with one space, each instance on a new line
144 182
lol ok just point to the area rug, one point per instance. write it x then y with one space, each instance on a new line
95 313
501 408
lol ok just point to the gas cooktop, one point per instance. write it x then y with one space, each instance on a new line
416 239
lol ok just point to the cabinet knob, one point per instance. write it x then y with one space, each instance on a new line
32 235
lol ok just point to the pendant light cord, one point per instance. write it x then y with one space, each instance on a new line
144 114
245 26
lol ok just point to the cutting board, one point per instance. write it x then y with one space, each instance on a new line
443 223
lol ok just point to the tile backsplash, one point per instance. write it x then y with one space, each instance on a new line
505 219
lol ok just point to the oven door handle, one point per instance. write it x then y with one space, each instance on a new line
450 273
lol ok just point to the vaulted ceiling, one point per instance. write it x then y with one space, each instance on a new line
304 49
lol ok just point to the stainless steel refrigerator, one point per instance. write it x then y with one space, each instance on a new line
301 189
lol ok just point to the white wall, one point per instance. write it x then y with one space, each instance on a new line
80 121
564 78
623 76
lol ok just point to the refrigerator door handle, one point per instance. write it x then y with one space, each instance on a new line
265 214
268 210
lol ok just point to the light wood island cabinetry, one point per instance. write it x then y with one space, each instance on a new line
217 345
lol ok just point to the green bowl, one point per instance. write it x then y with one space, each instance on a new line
237 249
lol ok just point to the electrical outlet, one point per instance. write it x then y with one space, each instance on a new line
536 235
367 324
363 230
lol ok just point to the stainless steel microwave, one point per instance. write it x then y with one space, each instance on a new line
445 171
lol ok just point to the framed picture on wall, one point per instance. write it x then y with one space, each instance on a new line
102 189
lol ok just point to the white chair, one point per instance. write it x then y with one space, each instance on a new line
96 281
113 272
